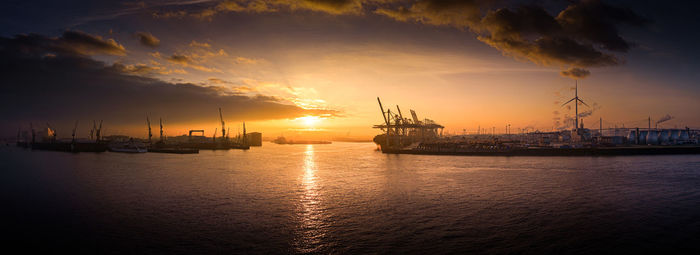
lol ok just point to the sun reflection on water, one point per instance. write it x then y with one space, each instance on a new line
310 214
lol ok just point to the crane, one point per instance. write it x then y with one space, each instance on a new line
74 129
161 129
223 125
150 134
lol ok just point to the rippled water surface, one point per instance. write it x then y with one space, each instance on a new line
348 198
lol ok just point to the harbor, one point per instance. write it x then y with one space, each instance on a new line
404 135
47 139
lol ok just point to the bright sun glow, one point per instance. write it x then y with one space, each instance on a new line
309 121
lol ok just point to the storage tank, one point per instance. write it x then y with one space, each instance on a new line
632 137
652 137
664 136
675 134
643 137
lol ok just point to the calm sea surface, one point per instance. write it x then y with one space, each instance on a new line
347 198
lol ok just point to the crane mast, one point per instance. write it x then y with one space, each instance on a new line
161 130
148 122
223 125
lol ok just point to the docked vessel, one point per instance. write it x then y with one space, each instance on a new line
50 142
282 140
162 147
131 146
413 136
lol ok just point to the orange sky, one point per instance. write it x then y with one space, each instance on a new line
271 66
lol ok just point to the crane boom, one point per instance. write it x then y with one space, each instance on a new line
223 125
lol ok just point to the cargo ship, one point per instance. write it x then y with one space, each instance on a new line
282 140
49 142
402 135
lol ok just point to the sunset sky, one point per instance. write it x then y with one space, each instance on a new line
316 66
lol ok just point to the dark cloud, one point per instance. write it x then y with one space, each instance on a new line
575 73
457 13
70 43
64 88
147 39
596 22
209 10
180 59
188 61
583 35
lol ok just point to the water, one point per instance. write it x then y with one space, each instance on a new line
347 198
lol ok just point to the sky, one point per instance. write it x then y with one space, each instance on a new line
314 68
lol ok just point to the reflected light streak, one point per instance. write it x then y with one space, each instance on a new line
311 229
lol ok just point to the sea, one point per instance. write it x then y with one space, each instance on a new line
346 198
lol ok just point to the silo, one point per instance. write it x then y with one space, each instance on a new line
632 137
652 137
675 134
664 136
643 137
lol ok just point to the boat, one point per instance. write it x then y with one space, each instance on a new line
424 137
174 150
282 140
162 147
131 146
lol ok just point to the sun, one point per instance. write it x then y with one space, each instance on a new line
309 120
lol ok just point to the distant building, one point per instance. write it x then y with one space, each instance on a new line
254 138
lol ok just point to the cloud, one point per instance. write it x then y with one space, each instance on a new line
145 69
198 44
65 88
575 73
207 12
188 61
455 13
70 43
147 39
582 35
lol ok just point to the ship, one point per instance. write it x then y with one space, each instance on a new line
282 140
402 135
130 146
162 147
221 143
50 142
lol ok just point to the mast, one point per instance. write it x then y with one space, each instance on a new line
161 130
74 129
98 131
245 140
576 104
148 122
